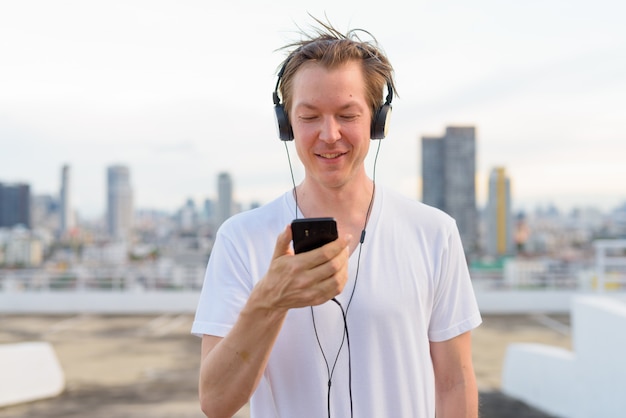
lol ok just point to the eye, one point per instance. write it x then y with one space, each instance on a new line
307 118
349 117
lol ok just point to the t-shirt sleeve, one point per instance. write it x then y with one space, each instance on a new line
455 310
226 288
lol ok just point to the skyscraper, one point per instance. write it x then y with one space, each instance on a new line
119 202
448 179
15 205
498 214
66 221
224 198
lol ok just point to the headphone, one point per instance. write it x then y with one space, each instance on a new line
380 121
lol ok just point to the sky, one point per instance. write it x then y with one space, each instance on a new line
181 90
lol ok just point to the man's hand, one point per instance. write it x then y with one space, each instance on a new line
305 279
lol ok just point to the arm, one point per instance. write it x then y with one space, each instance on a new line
455 382
232 367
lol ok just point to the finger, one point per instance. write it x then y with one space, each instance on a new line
283 243
329 251
329 260
332 277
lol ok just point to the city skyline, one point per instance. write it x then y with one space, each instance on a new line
544 85
448 167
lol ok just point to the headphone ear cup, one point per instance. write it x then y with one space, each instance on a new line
285 133
380 123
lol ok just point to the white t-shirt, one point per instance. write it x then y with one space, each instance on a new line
413 286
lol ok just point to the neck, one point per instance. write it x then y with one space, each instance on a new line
316 200
349 206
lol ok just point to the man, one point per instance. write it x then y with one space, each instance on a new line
374 324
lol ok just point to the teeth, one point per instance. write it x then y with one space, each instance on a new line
330 155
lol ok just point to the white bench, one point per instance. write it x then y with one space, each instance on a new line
589 381
28 372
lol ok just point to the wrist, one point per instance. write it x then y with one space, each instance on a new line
261 307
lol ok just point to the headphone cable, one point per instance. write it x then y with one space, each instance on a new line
293 180
344 313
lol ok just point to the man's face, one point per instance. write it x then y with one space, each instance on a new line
331 122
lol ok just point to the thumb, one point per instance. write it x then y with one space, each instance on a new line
283 243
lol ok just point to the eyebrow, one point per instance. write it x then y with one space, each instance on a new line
350 104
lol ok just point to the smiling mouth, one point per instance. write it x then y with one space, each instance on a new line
331 156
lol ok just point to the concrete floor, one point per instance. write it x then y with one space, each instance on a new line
147 366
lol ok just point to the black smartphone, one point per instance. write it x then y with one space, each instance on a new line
311 233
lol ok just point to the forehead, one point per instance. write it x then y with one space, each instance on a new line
313 80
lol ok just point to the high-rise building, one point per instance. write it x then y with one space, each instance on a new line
66 220
188 216
208 210
15 207
119 202
224 198
498 214
448 179
44 209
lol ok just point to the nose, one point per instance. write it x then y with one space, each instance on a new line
330 130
